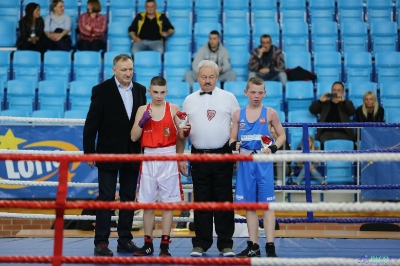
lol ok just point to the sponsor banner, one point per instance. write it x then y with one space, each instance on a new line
37 137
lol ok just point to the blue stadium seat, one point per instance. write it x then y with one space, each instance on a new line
390 96
141 6
57 66
72 10
108 64
11 14
44 6
5 66
295 37
270 28
26 65
387 66
236 37
354 36
21 95
239 62
52 95
236 11
321 10
357 66
122 10
350 10
292 11
176 64
379 10
79 95
118 38
397 15
299 95
87 66
8 34
328 66
339 172
323 87
77 114
237 88
147 64
263 11
2 96
47 113
358 89
202 31
14 113
324 36
179 11
295 135
295 59
177 92
181 40
274 95
384 36
207 11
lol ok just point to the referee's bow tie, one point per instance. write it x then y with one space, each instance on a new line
204 92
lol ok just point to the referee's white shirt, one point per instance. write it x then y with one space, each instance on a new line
210 117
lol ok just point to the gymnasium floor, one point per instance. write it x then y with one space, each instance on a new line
180 247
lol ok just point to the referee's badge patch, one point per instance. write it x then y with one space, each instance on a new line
211 114
167 132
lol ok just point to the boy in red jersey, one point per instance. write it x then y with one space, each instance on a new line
158 126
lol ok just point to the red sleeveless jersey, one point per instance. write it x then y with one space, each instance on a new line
161 133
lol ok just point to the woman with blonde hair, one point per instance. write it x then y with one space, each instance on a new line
57 27
313 166
370 111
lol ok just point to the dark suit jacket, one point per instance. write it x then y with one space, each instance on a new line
108 120
379 117
346 109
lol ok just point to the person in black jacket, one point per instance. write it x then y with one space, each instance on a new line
370 111
111 115
31 27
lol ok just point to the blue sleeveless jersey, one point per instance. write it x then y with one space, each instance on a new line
250 133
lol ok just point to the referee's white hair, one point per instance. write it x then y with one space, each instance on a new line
208 63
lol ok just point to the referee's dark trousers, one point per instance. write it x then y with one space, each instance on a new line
213 182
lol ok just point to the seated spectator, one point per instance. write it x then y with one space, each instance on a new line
149 29
370 111
92 27
333 108
267 62
214 51
31 28
57 27
313 166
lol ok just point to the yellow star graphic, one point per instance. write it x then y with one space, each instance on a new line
9 141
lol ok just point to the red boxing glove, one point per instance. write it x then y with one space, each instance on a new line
267 140
186 132
181 115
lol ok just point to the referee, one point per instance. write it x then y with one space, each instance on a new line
210 112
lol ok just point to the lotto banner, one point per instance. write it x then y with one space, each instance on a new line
380 173
60 138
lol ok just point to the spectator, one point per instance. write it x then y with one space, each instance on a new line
213 51
267 62
92 27
149 29
313 166
57 27
370 111
335 109
31 27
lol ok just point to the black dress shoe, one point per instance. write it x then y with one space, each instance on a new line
103 250
127 247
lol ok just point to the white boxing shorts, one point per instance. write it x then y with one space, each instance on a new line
160 177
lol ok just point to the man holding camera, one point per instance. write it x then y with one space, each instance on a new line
335 109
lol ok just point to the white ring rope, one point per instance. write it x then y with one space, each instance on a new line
73 121
324 261
277 157
335 206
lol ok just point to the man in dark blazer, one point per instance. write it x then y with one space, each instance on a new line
111 115
335 109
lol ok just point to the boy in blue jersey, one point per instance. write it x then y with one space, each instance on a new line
255 180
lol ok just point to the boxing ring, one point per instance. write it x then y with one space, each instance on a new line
61 250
